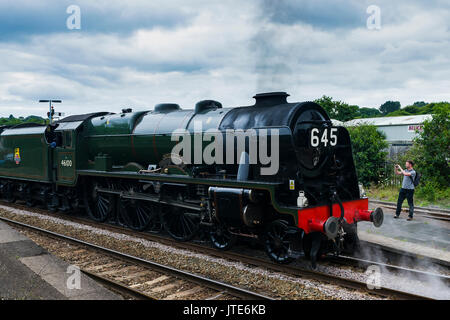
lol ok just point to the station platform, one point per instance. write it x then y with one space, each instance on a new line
28 272
423 237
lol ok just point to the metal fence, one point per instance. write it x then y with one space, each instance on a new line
388 176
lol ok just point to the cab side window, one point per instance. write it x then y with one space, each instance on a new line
67 139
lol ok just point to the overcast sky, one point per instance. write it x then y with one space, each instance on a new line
138 53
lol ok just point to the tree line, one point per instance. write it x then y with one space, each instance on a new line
11 120
336 109
430 151
342 111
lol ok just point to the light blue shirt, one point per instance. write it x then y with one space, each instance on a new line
408 180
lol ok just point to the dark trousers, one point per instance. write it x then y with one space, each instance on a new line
408 194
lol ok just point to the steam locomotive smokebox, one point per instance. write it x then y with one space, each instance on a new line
103 163
234 207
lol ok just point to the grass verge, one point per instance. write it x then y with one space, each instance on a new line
424 196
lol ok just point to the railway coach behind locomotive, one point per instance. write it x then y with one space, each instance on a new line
121 167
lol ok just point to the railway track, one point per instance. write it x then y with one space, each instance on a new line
397 256
407 272
136 277
431 213
249 260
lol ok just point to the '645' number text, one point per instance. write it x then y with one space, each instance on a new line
324 138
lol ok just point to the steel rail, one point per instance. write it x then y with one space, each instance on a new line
416 273
116 286
430 213
254 261
389 251
212 284
425 209
316 275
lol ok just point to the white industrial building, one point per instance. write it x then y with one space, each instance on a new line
399 131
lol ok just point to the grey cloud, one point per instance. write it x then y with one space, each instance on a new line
340 15
229 51
321 14
22 19
45 89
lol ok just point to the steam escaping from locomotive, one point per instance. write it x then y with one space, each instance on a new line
273 57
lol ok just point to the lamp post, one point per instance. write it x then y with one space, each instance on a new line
51 109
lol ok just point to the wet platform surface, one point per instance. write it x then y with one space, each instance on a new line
27 271
421 236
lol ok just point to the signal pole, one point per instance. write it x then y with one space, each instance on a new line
51 109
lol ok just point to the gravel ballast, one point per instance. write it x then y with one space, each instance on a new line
274 284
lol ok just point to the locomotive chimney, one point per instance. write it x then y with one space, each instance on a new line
270 99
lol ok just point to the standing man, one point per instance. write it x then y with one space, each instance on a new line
407 190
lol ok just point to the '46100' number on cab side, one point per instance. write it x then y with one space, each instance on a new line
66 163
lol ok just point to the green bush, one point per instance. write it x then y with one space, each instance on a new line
390 106
369 112
427 191
337 109
431 150
11 120
368 147
398 113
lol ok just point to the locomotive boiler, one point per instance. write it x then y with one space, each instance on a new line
274 171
